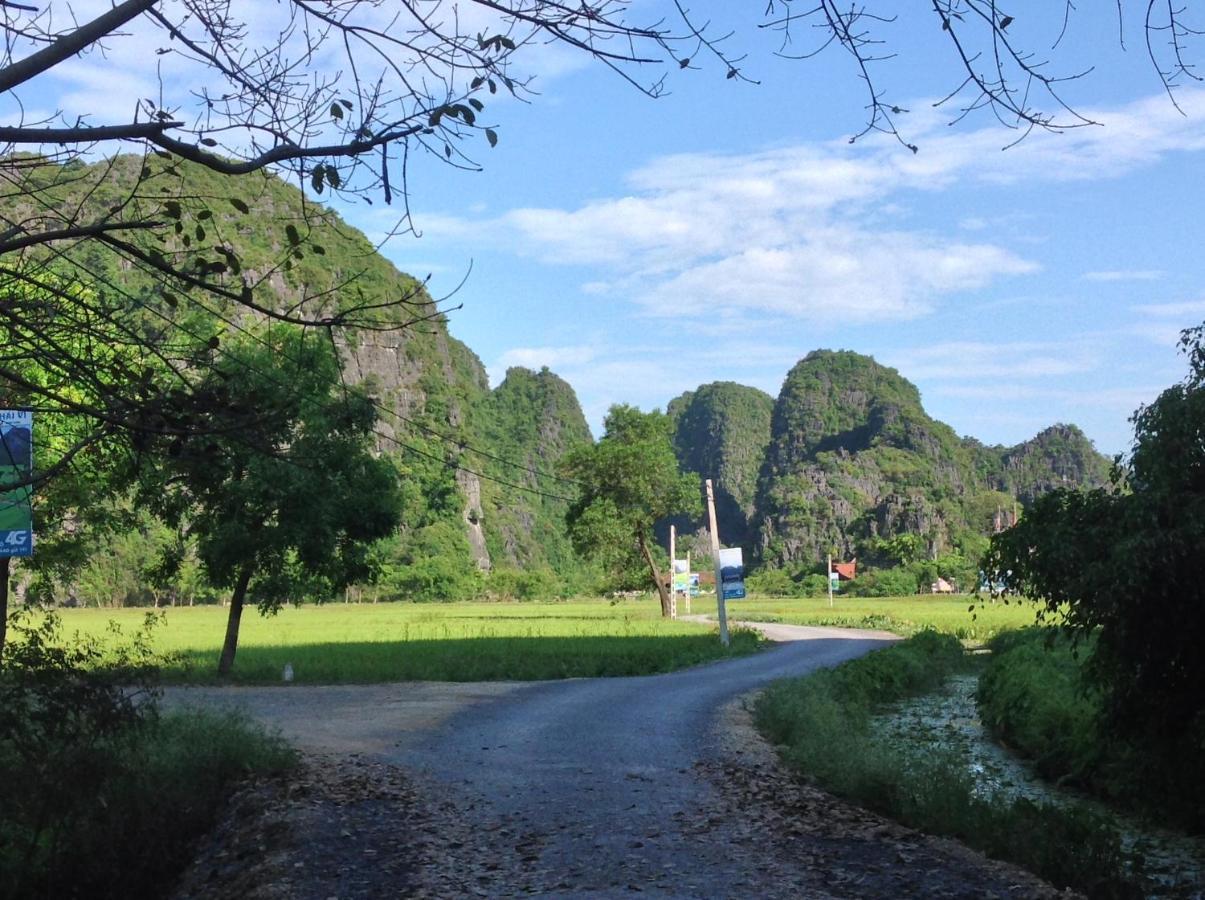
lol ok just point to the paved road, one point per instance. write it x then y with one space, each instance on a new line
625 786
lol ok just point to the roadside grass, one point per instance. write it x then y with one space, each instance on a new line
350 643
822 724
103 796
901 615
1033 696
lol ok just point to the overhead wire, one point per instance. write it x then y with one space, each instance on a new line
376 404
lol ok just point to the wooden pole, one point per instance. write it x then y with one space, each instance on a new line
715 552
673 589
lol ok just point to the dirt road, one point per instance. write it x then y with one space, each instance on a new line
655 786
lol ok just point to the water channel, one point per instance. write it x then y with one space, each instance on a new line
1174 863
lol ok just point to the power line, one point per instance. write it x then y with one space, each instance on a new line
384 436
464 445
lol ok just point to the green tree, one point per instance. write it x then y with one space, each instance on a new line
628 481
287 506
1124 566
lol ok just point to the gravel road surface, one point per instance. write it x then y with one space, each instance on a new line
653 786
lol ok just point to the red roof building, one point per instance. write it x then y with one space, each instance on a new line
846 571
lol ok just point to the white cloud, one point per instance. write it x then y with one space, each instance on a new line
800 231
967 361
1124 275
838 275
552 357
1186 309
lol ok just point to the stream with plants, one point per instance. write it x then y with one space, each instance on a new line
1171 864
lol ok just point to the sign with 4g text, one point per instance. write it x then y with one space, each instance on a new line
16 465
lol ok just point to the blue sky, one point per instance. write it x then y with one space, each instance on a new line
642 247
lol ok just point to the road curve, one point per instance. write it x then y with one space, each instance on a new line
610 787
604 770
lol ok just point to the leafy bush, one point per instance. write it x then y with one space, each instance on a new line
435 579
896 582
1034 694
102 796
507 583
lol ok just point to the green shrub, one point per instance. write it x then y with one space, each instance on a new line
102 796
1034 695
896 582
506 583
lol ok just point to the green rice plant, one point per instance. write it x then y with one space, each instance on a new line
340 643
960 615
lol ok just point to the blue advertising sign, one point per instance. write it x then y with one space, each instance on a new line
732 573
16 464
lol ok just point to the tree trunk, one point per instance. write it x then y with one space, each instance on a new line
226 663
4 564
662 587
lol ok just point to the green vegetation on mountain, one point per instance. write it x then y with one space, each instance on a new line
847 461
534 420
721 432
439 422
853 461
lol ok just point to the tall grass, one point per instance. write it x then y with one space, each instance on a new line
101 796
822 723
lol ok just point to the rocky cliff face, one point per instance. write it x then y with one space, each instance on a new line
850 458
440 419
721 432
531 419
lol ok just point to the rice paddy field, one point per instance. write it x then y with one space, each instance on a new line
902 615
338 643
342 643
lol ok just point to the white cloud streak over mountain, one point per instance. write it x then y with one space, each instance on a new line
798 232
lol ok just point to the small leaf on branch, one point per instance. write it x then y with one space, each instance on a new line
491 136
336 111
291 233
240 205
209 142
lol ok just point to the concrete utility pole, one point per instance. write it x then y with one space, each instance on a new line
673 588
830 579
689 582
715 552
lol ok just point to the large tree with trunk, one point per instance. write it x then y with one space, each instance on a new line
627 482
285 508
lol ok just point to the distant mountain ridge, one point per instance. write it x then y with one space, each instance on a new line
843 458
850 459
